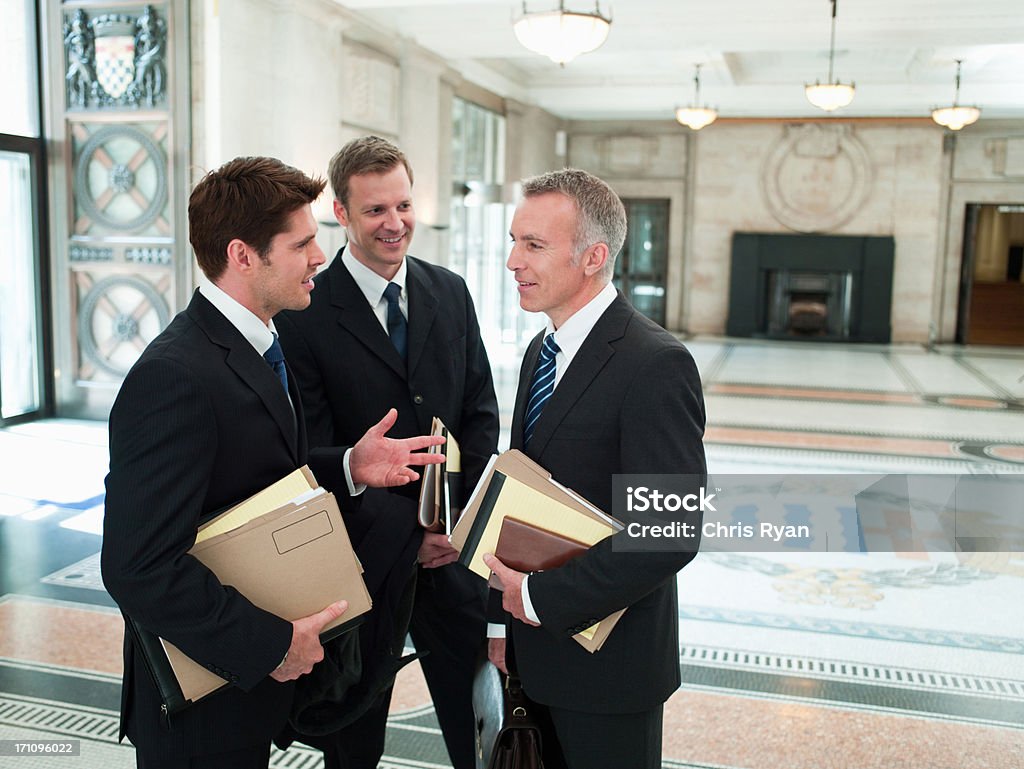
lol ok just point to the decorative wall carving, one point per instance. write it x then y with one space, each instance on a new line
86 254
656 156
121 146
120 178
816 177
115 59
373 95
1007 155
118 316
161 256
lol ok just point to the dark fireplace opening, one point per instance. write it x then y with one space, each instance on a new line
813 287
804 303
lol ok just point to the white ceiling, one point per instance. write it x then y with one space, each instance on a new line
757 54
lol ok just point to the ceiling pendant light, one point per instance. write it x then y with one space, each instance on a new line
696 116
562 35
956 116
832 94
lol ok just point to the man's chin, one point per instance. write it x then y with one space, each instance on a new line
300 303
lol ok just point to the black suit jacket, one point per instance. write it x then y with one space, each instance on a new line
630 402
200 423
350 375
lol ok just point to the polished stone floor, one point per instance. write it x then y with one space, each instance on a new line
791 659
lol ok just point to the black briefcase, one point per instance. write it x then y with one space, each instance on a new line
512 731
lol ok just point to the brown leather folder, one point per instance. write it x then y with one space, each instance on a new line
528 548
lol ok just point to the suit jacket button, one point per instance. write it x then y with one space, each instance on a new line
418 400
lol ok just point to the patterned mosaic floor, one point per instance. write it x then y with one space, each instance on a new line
792 660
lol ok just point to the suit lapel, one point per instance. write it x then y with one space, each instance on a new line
422 310
354 314
250 367
593 355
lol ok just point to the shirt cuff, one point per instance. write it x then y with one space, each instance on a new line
354 489
494 630
527 603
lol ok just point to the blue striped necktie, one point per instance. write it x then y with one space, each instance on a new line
542 387
275 357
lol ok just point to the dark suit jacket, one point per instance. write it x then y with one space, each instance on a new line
201 422
630 402
350 375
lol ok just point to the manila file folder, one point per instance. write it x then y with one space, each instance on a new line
290 558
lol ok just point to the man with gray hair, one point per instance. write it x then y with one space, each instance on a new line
602 391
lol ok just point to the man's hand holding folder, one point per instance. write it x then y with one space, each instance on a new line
512 593
306 649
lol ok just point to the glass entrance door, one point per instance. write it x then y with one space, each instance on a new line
21 376
642 267
24 371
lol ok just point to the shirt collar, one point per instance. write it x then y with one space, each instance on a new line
370 283
259 335
577 328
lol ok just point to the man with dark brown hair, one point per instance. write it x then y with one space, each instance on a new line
207 417
387 329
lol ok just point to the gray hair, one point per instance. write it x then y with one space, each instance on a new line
601 217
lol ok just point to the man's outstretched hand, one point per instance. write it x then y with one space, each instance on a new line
379 461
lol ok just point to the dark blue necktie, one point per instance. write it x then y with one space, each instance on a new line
398 329
542 387
275 357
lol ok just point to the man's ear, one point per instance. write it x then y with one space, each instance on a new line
340 213
595 258
240 256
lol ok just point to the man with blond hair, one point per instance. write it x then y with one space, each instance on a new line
387 329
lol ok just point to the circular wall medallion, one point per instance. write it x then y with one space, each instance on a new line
118 317
816 177
121 178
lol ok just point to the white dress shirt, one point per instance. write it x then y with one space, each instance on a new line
372 285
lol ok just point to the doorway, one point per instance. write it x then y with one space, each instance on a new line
23 380
991 309
642 266
25 372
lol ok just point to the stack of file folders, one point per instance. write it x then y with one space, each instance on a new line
520 512
286 549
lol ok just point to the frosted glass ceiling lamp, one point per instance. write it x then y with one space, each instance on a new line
696 116
956 116
562 35
832 94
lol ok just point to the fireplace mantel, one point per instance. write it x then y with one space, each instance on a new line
759 259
